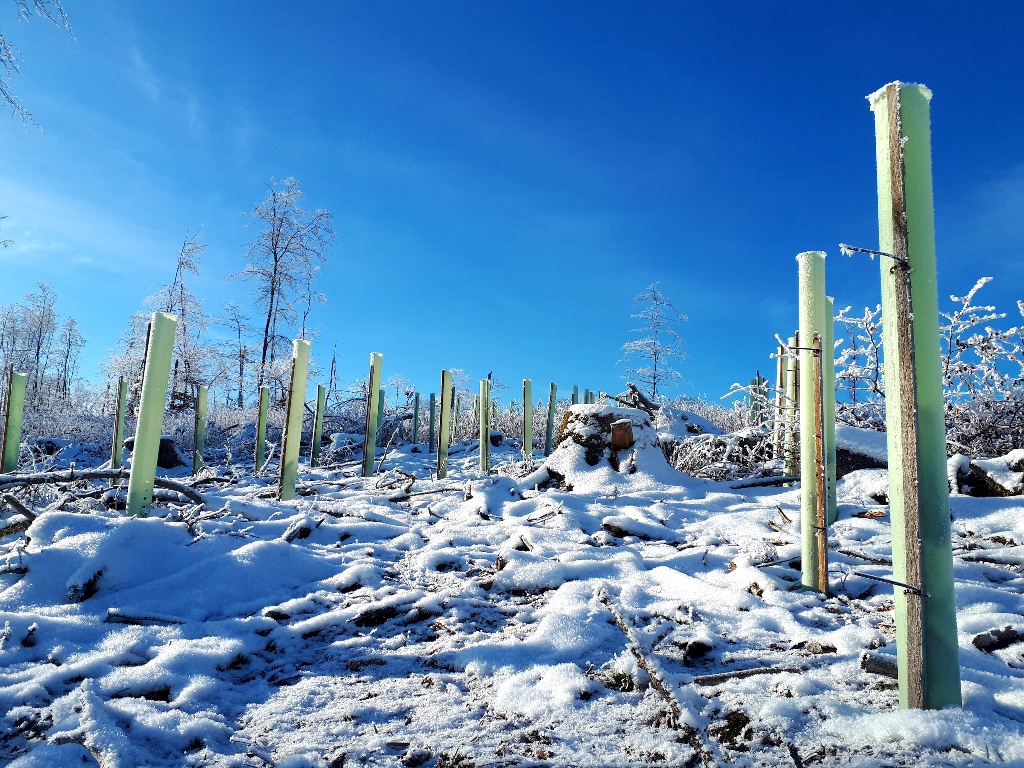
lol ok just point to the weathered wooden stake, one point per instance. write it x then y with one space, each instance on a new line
485 426
527 419
926 631
415 418
151 413
119 410
820 453
549 434
812 472
16 383
372 409
444 432
318 425
261 428
288 469
199 434
433 416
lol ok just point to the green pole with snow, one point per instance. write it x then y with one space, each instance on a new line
811 270
527 419
415 417
485 426
444 428
575 395
261 428
792 435
372 409
119 410
318 425
151 414
199 442
926 631
288 469
16 384
549 433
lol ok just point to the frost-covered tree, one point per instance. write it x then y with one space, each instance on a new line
237 349
48 9
651 357
284 257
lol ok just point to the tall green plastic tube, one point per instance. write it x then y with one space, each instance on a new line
16 383
778 431
549 433
288 470
906 222
527 419
261 428
828 369
444 428
151 413
415 418
120 407
372 410
485 426
199 442
318 425
575 395
811 269
433 417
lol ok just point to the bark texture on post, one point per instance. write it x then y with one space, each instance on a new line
821 476
151 413
372 407
121 405
527 419
812 473
444 431
288 469
929 672
261 428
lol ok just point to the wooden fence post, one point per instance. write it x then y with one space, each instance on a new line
372 409
444 428
415 418
485 426
812 473
151 413
549 434
288 469
318 425
261 428
16 383
528 419
926 631
199 434
119 410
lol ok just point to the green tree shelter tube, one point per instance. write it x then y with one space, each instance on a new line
261 428
415 436
121 405
811 268
444 428
288 469
151 413
485 426
318 425
549 433
906 223
527 419
16 383
199 441
372 408
828 372
433 420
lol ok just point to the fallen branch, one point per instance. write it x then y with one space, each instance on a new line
117 616
879 665
738 674
690 736
71 476
866 558
765 482
19 507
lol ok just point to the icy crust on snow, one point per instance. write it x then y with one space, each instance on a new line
866 442
473 620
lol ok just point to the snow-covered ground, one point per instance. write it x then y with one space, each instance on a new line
483 621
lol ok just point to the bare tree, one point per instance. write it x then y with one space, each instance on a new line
69 345
48 9
660 344
284 258
237 349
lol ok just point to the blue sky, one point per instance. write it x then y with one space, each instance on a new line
505 177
